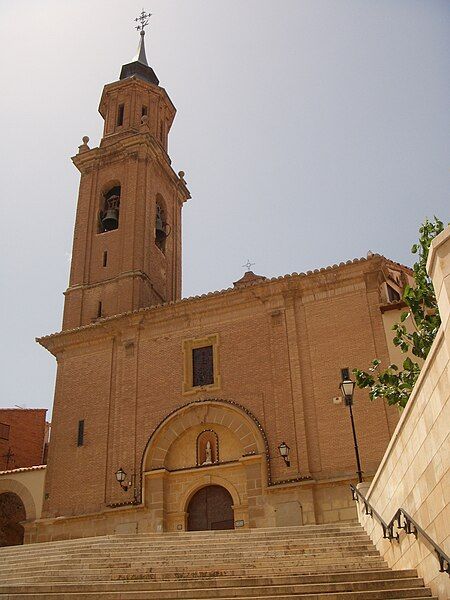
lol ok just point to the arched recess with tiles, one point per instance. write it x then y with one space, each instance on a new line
205 443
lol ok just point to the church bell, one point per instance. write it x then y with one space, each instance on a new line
160 229
110 216
111 219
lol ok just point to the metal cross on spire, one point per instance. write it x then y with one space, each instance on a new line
143 20
249 264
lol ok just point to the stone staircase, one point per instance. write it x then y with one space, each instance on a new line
317 562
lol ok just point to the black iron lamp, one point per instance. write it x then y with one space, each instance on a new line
284 452
121 477
347 388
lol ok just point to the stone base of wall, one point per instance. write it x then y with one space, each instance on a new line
334 503
283 505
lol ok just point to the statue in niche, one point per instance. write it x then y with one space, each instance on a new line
207 448
208 454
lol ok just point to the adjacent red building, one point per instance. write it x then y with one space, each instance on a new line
23 437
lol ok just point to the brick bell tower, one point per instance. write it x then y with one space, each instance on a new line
127 238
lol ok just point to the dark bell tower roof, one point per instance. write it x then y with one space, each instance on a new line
139 66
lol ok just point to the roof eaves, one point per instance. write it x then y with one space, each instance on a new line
229 290
24 469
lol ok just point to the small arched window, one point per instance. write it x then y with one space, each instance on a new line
109 210
162 228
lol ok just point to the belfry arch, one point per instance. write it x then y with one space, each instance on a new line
172 473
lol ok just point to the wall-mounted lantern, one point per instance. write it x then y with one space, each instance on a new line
284 452
121 477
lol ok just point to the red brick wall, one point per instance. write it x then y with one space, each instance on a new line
281 348
281 344
26 437
137 274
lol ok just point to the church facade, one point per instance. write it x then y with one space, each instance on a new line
213 412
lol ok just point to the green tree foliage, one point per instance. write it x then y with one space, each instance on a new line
394 384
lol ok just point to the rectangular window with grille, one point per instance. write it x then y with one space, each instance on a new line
202 366
4 431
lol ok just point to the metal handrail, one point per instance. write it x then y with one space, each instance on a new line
409 525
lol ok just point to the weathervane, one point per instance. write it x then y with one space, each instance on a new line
249 264
143 19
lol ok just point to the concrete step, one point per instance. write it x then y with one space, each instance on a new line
150 554
249 590
39 548
314 563
117 543
126 571
223 582
170 573
155 557
187 539
394 594
163 556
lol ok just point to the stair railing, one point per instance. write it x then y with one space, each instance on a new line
402 520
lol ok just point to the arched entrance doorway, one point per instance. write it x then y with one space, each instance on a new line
12 512
210 508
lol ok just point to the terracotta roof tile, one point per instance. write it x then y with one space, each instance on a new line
23 469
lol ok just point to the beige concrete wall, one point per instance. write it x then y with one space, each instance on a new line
414 473
28 484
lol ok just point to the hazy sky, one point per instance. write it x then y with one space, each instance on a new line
310 131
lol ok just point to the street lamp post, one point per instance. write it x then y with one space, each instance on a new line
347 388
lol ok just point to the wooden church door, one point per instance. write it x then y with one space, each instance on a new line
210 508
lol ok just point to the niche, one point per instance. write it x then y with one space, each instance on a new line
207 448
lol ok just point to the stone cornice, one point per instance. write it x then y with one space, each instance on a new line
270 293
140 146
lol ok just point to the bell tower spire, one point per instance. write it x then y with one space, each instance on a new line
139 65
140 54
143 20
127 239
